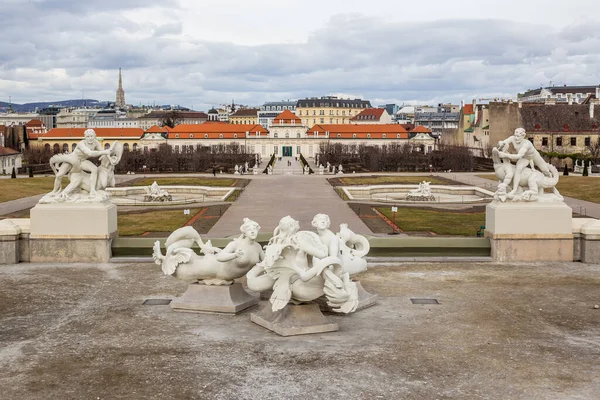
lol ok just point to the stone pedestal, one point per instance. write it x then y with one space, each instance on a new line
230 299
365 299
294 320
529 231
9 242
72 232
590 242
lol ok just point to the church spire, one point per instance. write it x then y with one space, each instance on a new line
120 102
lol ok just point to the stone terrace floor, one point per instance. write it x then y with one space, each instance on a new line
524 331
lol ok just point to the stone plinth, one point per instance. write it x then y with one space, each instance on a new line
294 320
590 242
72 232
365 299
230 299
9 242
529 231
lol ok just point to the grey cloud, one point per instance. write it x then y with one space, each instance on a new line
351 54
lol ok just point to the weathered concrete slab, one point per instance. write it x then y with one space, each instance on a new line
502 331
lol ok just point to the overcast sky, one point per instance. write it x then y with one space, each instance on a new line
203 53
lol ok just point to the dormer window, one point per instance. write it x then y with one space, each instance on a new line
368 136
339 135
398 136
206 136
177 136
220 136
191 135
235 135
383 136
354 136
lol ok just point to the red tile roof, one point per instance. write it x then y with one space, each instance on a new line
245 112
468 109
287 117
214 131
421 129
156 129
101 133
369 114
34 122
6 151
362 131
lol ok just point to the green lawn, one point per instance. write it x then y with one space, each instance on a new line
153 221
440 222
389 180
578 187
183 181
12 189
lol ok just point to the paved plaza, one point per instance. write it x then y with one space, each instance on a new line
527 331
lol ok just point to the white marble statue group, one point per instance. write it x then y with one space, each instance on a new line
88 181
298 266
522 181
422 193
156 193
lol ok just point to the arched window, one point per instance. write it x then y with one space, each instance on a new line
287 134
126 147
56 148
106 146
177 148
275 135
47 147
65 147
135 146
73 146
298 135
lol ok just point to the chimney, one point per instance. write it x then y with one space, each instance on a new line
597 92
462 104
474 103
592 110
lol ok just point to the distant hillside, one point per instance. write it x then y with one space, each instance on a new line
31 107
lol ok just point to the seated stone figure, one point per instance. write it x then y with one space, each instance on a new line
216 267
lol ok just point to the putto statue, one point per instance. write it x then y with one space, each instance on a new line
213 273
526 183
155 193
423 193
300 266
87 181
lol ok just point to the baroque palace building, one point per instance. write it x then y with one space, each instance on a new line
287 136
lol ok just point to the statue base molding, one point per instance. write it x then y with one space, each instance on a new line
294 320
221 299
365 299
72 232
529 231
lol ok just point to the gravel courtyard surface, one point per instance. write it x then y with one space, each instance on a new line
523 331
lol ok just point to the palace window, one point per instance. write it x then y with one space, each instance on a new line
298 135
587 141
287 134
275 135
66 147
322 120
126 147
559 141
573 141
544 141
176 148
73 146
135 146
